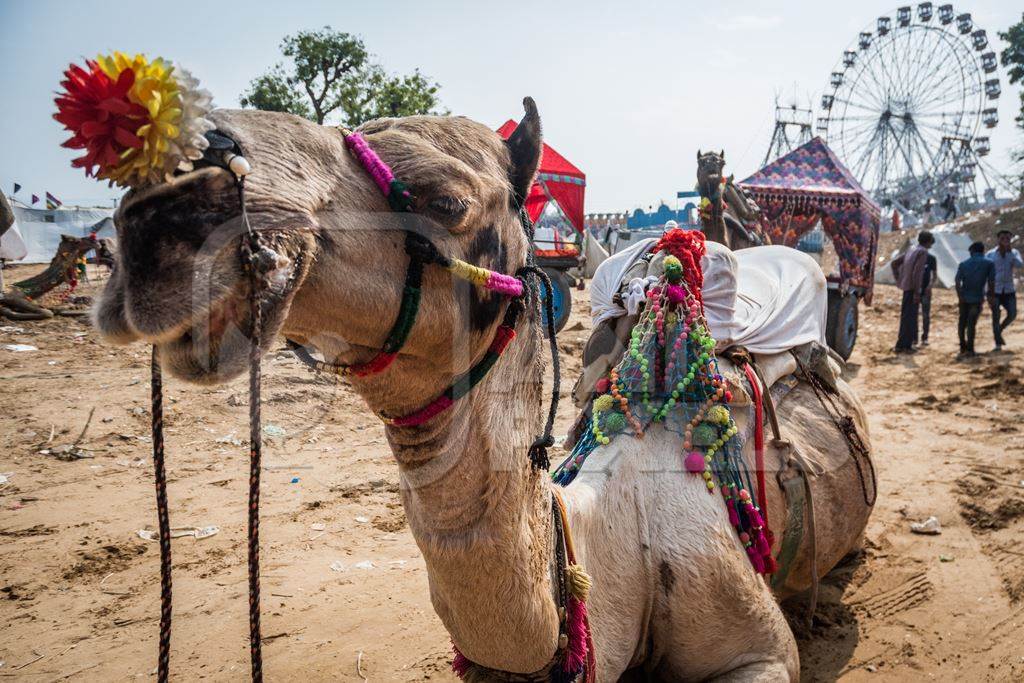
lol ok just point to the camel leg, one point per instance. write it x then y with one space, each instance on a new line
757 672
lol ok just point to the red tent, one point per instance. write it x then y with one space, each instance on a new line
557 180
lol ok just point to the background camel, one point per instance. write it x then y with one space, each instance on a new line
674 591
731 216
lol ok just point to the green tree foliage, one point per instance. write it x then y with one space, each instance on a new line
1012 58
330 75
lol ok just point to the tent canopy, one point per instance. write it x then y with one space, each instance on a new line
558 180
949 250
41 229
808 185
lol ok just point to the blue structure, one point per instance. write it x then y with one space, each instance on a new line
685 217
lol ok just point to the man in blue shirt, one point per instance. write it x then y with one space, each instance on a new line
1005 259
973 276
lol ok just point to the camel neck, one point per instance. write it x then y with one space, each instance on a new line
481 515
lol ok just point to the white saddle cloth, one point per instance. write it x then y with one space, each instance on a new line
766 299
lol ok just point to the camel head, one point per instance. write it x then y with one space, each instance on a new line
709 171
337 275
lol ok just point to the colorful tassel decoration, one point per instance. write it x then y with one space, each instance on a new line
576 628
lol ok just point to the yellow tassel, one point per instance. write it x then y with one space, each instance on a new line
578 582
461 269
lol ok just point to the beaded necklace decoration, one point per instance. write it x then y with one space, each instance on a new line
669 375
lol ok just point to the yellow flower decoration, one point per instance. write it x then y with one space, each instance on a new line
157 90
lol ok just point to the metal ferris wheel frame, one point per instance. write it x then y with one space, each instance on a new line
907 100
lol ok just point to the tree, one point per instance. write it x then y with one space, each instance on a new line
331 75
1012 58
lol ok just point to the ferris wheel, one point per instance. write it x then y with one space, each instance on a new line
909 105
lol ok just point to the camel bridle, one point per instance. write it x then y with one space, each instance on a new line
257 260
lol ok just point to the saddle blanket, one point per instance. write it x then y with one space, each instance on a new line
765 299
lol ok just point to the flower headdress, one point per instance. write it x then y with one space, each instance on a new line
138 120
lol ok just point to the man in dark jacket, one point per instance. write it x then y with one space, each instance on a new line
931 274
909 270
973 277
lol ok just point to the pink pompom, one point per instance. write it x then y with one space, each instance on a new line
694 462
601 386
755 516
676 294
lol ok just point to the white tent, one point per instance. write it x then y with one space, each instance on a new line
949 250
12 247
40 229
595 253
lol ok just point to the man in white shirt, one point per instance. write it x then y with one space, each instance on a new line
1005 259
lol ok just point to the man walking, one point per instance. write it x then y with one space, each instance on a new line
931 274
973 277
909 270
1005 259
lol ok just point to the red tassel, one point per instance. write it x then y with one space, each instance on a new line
734 517
578 631
771 566
460 665
755 559
762 544
755 516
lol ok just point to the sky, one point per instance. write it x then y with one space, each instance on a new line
628 91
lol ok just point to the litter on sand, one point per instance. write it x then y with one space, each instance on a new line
273 430
197 533
929 527
19 347
337 566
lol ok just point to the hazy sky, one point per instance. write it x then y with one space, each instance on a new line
627 90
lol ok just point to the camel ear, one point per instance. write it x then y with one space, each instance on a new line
524 147
698 155
722 154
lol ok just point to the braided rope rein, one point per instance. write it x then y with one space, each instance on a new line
421 251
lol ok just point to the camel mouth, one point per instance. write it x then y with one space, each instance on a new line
181 283
212 345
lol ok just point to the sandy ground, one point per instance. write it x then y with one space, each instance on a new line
341 574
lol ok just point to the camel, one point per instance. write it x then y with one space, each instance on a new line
731 212
673 592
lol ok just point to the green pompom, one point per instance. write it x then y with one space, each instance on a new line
705 434
615 422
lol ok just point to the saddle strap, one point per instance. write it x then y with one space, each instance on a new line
796 485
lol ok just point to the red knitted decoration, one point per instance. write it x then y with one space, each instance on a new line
688 247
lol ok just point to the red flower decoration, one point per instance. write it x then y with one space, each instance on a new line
102 119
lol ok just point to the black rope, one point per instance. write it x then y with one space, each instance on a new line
846 426
539 449
163 518
249 251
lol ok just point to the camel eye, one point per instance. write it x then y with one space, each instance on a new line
450 207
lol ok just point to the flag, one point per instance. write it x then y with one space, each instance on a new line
16 188
35 199
52 202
